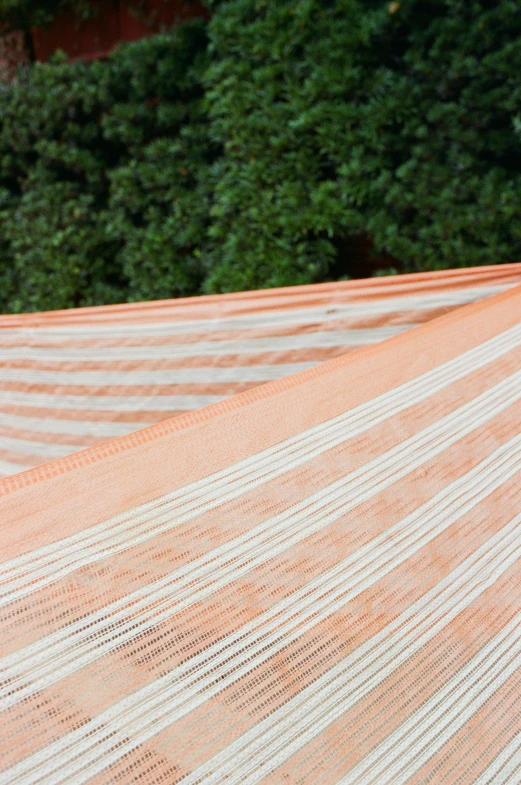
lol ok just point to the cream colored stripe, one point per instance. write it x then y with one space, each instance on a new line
99 428
210 375
108 403
215 348
8 467
283 316
30 447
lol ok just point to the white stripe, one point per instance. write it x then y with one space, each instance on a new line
45 449
283 316
283 732
45 565
8 467
80 643
406 750
99 428
203 676
109 403
505 766
247 373
276 343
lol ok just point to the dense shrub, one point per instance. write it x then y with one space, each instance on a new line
52 169
159 194
396 120
442 186
248 153
102 176
283 76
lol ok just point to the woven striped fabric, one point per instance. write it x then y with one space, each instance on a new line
315 581
72 379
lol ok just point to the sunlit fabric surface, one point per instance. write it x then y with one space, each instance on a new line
315 581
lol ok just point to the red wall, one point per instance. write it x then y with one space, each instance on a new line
114 22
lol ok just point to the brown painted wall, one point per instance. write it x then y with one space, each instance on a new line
121 20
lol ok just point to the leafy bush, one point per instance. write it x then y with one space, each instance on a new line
283 76
400 121
250 153
99 198
442 185
159 194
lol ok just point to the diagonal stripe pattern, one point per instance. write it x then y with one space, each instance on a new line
72 379
315 581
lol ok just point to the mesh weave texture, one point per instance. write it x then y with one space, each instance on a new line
316 580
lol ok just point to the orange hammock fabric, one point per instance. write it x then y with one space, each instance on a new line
75 378
317 580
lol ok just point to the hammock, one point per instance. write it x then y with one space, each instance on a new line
313 580
71 379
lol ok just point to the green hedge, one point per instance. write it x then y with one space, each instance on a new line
103 171
400 121
247 153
